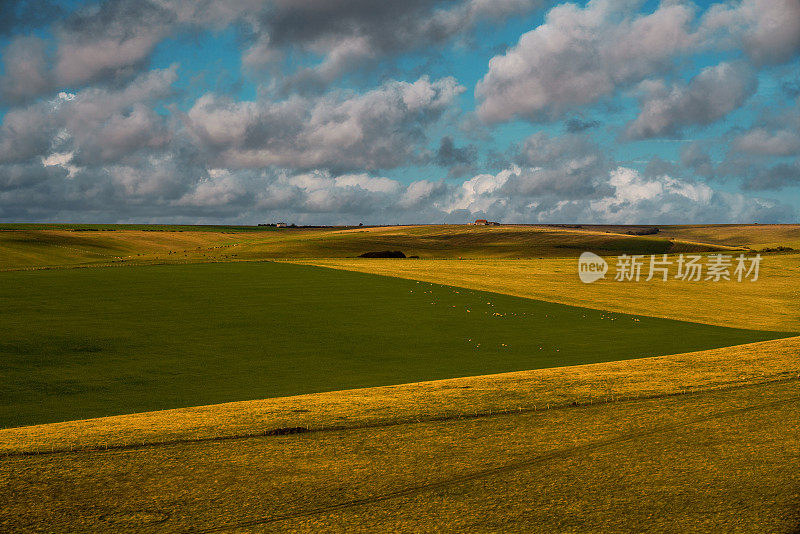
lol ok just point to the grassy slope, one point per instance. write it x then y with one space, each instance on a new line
32 246
754 236
25 249
88 342
453 398
769 303
461 241
682 464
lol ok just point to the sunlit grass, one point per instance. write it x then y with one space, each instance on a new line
769 303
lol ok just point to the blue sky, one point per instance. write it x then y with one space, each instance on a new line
330 112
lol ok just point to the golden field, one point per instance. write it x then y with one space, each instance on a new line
719 461
770 303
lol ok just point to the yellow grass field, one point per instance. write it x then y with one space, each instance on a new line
755 236
770 303
716 461
23 249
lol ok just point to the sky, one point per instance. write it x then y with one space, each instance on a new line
385 112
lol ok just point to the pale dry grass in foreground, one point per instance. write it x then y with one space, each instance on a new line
442 399
770 303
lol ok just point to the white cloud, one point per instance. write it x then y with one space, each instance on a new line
368 183
218 190
377 129
420 193
63 160
26 69
481 192
580 55
630 198
97 124
768 30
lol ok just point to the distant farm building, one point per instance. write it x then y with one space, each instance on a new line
280 225
484 222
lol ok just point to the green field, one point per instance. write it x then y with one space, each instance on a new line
79 343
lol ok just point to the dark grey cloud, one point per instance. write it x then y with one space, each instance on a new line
460 161
791 88
17 176
541 150
760 141
776 177
110 40
388 27
19 16
569 167
658 167
352 33
694 156
448 154
26 133
708 97
579 125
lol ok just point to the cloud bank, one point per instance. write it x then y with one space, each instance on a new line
420 111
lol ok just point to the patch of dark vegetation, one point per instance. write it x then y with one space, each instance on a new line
286 431
643 231
383 254
779 248
413 257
